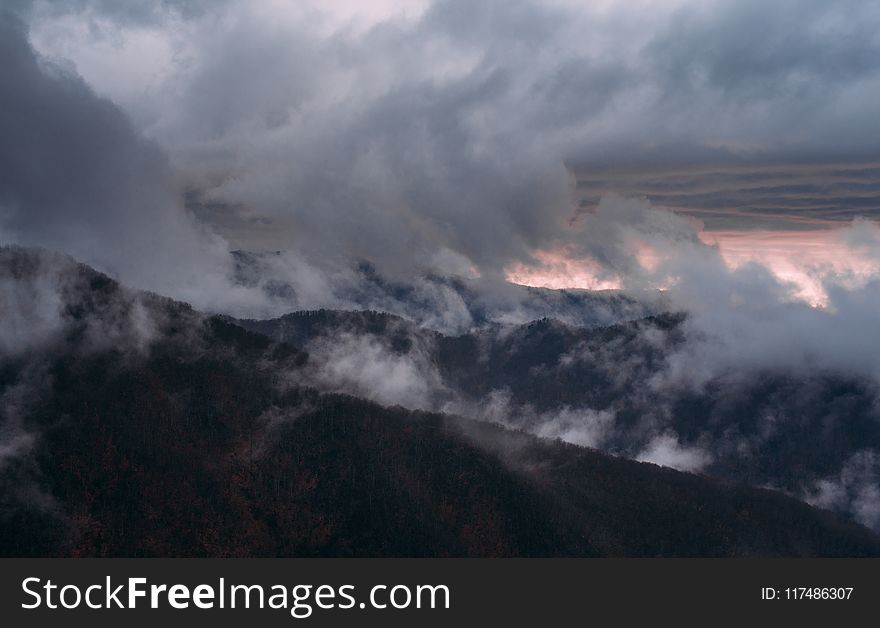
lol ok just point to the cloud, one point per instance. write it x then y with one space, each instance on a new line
578 425
31 313
80 178
740 317
15 439
434 138
855 490
364 366
748 319
582 426
666 450
20 477
449 128
50 303
863 236
781 196
76 176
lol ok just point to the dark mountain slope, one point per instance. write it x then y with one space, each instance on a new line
298 328
529 359
791 431
200 441
208 459
192 460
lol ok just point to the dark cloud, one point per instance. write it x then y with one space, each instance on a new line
754 51
785 80
451 131
75 176
74 172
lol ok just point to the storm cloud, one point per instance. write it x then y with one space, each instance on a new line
77 177
431 131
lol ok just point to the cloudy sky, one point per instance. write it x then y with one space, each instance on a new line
555 142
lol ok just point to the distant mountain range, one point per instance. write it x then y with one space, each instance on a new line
450 304
603 387
133 425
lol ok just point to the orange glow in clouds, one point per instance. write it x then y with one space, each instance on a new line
801 258
559 270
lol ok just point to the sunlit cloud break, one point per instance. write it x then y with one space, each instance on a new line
805 260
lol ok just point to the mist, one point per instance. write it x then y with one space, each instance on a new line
258 158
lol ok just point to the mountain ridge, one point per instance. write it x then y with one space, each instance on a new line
199 438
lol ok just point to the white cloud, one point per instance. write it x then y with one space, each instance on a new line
666 450
363 366
856 489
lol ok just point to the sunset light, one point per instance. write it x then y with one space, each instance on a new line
804 259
